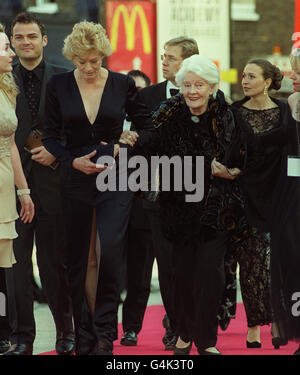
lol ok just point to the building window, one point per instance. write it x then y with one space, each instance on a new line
44 6
244 10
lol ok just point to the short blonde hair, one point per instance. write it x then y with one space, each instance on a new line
7 82
201 65
85 37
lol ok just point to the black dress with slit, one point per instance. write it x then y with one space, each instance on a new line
69 134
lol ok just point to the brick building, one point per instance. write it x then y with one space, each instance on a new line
257 38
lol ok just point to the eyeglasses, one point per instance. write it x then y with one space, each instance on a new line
171 59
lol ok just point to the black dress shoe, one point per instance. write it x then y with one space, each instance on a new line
4 345
206 352
65 343
169 339
253 345
102 348
183 351
20 349
171 343
129 339
166 325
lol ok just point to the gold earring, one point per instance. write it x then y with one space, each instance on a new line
265 90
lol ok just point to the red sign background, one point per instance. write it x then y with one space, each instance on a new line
131 28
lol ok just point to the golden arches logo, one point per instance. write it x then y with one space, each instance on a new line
129 23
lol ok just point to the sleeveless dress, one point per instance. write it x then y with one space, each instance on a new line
8 212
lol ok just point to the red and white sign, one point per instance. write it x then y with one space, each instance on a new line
131 28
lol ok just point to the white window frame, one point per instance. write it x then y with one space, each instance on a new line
43 6
244 10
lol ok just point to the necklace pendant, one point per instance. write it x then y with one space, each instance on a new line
195 119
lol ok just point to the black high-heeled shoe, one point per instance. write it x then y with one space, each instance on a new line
253 345
297 352
183 351
277 341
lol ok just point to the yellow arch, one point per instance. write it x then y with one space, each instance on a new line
129 22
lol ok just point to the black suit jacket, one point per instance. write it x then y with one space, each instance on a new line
152 96
43 181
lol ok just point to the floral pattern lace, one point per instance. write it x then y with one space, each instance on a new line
261 120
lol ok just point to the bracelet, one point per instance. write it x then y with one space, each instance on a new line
23 192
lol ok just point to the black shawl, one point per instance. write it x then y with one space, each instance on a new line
219 133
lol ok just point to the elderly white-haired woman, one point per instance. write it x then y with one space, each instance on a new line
199 122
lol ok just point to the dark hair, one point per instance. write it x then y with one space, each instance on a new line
28 18
139 73
269 71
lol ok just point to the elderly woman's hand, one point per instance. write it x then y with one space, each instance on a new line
220 170
128 137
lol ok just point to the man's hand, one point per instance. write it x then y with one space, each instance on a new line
42 156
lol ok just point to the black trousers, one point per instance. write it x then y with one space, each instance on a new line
50 238
5 329
112 215
144 245
199 281
139 262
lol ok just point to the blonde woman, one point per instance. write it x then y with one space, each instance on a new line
11 172
88 105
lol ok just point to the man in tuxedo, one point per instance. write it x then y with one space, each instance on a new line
42 173
139 252
175 51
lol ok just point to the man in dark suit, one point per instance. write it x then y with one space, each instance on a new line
176 50
139 252
47 229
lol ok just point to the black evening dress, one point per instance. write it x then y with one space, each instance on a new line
201 232
274 206
69 134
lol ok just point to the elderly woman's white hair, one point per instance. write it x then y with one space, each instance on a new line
201 65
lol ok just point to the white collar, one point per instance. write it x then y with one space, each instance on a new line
169 86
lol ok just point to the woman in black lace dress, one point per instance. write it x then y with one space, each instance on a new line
265 115
200 123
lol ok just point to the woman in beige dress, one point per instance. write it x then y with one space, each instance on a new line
11 172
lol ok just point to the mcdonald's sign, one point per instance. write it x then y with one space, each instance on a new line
131 28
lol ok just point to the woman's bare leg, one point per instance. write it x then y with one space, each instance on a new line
92 269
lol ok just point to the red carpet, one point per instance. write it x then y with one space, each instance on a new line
230 342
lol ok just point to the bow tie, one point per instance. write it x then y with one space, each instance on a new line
174 91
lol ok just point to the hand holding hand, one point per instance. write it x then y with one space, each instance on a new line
129 137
